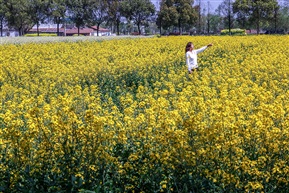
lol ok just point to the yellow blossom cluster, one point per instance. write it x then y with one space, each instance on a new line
123 115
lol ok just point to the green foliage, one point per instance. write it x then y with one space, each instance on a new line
139 11
177 13
233 32
56 11
18 15
98 13
38 10
256 13
114 13
78 11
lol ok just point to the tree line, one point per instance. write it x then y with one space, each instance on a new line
178 15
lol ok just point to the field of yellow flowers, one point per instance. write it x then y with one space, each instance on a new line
123 115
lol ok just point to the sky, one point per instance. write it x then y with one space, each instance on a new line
213 4
204 4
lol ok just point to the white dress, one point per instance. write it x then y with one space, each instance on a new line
192 58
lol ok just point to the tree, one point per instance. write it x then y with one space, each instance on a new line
198 10
38 11
167 16
179 13
78 12
114 12
57 10
98 13
242 16
276 16
284 18
216 23
258 12
138 11
280 22
226 9
18 15
3 10
187 15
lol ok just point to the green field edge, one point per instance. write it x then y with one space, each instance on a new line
50 39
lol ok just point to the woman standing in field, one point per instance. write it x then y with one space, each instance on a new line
191 56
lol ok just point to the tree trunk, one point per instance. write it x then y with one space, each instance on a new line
229 17
117 26
208 30
37 29
97 30
160 26
138 27
179 25
1 27
275 21
258 21
258 25
20 31
57 22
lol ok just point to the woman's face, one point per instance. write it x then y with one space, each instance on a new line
192 47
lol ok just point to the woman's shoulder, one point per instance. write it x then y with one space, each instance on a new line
190 52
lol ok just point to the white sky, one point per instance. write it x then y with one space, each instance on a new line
204 4
213 4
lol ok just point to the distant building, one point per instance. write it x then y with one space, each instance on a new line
254 31
9 33
6 32
101 31
71 30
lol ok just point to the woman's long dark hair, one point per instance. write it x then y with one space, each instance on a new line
188 46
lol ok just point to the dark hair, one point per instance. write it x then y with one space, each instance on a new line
188 46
